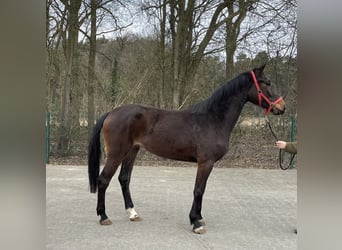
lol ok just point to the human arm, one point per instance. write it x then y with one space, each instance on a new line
290 147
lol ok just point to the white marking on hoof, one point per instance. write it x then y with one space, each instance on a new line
133 215
199 230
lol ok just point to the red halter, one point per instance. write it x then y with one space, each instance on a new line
261 95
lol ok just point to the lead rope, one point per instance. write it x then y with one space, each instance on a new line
281 158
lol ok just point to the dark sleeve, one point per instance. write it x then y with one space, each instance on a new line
291 147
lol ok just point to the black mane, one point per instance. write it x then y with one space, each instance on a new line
222 97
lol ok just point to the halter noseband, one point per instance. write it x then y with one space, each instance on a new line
262 95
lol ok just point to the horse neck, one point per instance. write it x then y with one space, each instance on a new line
232 100
233 112
226 103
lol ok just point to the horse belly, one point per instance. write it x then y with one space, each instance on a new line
171 147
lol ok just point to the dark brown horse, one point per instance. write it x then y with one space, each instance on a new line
198 134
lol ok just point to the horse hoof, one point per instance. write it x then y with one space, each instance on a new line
133 215
105 222
135 218
199 230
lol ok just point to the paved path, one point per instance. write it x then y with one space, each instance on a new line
243 209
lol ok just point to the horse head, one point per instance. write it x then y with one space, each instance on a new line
262 93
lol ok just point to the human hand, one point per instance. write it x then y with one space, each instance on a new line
281 144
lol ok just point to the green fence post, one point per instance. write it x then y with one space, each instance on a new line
47 137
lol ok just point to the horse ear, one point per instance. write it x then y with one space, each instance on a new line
260 69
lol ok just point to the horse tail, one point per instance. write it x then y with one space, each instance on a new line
94 154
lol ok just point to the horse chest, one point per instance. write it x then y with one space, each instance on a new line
213 150
220 151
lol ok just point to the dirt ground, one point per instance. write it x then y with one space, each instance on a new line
242 208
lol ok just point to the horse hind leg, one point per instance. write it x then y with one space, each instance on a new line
103 182
125 178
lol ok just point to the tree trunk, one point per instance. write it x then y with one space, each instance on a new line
233 32
70 101
181 44
91 68
230 49
114 80
186 56
161 93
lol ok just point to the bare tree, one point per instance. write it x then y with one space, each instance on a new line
91 66
268 26
105 11
70 101
55 21
190 38
233 26
162 53
66 22
191 27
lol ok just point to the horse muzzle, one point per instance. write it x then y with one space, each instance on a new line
278 108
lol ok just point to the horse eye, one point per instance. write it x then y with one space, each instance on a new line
264 81
267 82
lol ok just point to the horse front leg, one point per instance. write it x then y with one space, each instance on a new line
203 172
125 179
